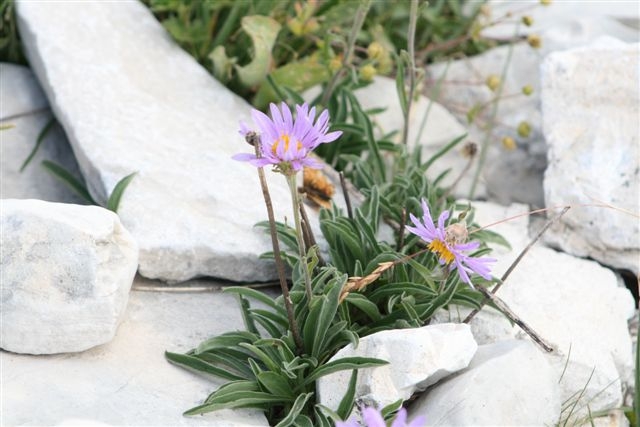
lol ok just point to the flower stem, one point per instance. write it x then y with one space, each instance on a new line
288 304
295 199
411 37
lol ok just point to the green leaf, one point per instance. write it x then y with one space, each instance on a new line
297 76
444 150
45 130
292 418
263 31
348 400
343 364
275 384
226 340
198 365
66 177
365 305
116 195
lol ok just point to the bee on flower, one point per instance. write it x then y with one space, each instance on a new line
450 244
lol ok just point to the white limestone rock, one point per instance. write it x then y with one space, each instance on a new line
66 272
575 304
25 107
506 383
590 104
128 381
514 176
556 15
132 101
417 358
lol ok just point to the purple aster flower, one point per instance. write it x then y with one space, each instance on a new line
373 418
285 142
449 244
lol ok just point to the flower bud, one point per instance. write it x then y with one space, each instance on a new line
527 90
527 20
367 72
534 41
493 82
524 129
335 64
375 50
509 143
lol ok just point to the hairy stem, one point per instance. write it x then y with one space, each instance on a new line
295 199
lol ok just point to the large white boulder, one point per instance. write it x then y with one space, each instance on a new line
131 100
128 381
506 383
25 107
417 358
513 176
66 271
590 104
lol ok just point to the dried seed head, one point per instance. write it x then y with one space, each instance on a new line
252 138
470 149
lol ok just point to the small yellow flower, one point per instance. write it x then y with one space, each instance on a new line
375 50
534 41
509 143
527 90
524 129
367 72
527 20
335 64
493 82
545 2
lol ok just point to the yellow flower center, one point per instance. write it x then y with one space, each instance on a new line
286 139
440 248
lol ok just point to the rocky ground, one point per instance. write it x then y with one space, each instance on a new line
84 334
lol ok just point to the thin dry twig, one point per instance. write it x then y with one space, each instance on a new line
516 262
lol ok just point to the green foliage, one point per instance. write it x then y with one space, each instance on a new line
262 366
10 44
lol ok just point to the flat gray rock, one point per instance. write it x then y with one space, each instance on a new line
590 104
132 101
66 271
128 381
25 107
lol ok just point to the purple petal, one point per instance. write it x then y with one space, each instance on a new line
467 246
265 125
331 136
244 129
418 422
243 157
401 418
372 417
443 217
